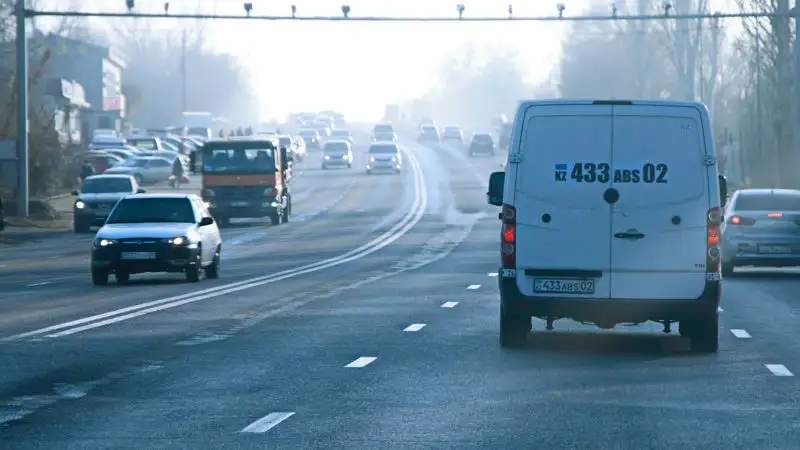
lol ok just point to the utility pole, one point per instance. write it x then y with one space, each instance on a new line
183 70
796 86
22 111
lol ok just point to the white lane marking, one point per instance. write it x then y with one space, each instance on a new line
402 227
267 422
449 304
474 286
491 274
719 309
741 334
55 257
779 370
363 361
414 327
40 283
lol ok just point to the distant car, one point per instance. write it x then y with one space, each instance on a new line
761 228
428 133
383 132
144 169
342 135
337 154
99 160
452 134
157 233
384 156
289 144
96 198
311 138
151 143
106 140
481 143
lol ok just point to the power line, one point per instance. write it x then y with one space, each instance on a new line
30 13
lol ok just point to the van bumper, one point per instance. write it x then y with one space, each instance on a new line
609 310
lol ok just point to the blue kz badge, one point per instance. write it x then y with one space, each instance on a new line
561 172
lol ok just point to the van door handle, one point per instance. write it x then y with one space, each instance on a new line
629 235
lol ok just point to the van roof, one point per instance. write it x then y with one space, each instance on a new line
619 101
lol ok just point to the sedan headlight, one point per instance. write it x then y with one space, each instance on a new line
326 157
80 205
103 242
371 159
346 157
179 240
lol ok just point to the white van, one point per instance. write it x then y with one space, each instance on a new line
611 214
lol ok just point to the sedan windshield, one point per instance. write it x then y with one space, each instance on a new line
751 201
106 185
153 210
383 149
384 128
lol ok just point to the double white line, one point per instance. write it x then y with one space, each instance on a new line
405 224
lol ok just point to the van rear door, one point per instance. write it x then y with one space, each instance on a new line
563 224
659 221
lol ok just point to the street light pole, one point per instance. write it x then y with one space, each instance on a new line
22 111
183 70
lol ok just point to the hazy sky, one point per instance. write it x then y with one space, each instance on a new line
358 67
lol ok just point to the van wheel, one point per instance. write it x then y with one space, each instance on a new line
703 333
514 328
727 270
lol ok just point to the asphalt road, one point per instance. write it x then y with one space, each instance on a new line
388 341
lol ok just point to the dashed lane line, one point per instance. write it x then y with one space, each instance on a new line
414 327
41 283
779 370
473 287
449 304
741 334
267 422
491 274
362 361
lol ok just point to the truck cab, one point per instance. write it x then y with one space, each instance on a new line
247 177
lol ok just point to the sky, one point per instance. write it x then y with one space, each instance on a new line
357 68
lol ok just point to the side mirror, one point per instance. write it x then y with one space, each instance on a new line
206 221
141 191
723 190
497 181
76 193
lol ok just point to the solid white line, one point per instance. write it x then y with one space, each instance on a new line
449 304
492 274
741 334
779 370
474 286
40 284
409 220
267 422
414 327
363 361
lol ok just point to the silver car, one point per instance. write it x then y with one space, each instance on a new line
384 156
144 169
761 228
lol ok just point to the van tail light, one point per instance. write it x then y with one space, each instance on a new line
508 237
713 222
739 220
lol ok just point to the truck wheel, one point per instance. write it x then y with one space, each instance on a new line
703 333
514 328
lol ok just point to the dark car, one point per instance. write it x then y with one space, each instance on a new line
311 138
157 233
428 133
97 197
452 134
481 143
761 229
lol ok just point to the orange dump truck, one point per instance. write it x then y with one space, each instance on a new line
247 178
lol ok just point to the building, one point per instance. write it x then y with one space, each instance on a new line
66 100
97 69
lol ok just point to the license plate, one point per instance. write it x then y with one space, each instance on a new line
773 249
563 286
239 203
138 255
